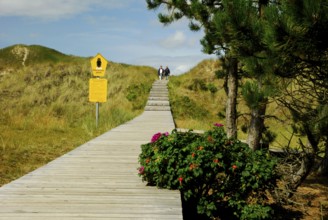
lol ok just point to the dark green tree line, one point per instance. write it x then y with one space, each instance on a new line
296 38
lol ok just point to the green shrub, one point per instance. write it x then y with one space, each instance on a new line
185 107
212 88
198 84
215 172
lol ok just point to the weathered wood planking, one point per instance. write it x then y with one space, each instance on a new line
97 180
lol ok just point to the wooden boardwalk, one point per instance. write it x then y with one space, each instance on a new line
98 180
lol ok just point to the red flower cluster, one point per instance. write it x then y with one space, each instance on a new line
157 136
218 125
180 180
141 170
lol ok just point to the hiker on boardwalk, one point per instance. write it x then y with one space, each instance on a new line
160 73
167 72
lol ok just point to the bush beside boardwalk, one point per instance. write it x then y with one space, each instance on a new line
219 176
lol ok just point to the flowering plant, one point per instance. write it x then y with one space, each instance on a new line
215 172
157 136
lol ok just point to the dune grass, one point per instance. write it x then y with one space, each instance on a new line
198 101
45 110
194 106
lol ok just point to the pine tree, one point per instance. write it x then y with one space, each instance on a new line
200 14
241 23
296 35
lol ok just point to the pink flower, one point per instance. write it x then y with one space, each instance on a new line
180 180
155 137
234 167
141 170
218 125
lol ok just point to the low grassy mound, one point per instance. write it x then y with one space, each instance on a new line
198 100
45 110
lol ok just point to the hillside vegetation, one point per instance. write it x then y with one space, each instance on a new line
16 56
198 101
44 105
197 96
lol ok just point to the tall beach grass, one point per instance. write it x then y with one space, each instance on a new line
45 110
198 101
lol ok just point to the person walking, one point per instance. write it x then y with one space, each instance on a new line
160 72
167 73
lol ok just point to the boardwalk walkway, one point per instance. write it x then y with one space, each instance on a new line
98 180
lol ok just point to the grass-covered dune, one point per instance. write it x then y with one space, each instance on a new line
198 101
44 106
19 55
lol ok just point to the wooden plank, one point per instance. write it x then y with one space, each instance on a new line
86 216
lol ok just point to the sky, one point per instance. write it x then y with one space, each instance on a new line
123 31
